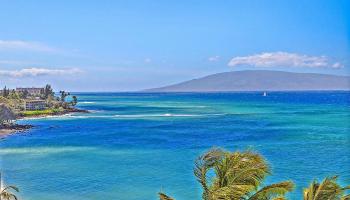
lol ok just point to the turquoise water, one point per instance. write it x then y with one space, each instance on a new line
132 146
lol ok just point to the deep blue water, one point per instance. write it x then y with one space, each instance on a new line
134 145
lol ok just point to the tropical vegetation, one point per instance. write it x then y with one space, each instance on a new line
15 101
240 176
8 193
51 111
327 189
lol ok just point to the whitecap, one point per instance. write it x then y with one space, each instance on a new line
46 117
87 102
157 115
43 150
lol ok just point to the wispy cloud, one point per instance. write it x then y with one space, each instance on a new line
283 59
337 65
214 58
25 46
34 72
11 62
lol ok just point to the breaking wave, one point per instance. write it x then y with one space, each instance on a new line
43 150
163 115
87 102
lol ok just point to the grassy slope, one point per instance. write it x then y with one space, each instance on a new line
29 113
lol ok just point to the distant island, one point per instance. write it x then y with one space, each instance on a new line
32 102
259 80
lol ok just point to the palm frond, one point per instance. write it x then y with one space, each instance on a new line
327 189
6 193
273 190
241 168
346 197
8 196
203 164
11 187
279 198
231 192
163 196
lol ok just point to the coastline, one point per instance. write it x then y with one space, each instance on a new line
60 113
7 130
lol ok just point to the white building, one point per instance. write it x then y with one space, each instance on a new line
32 91
35 105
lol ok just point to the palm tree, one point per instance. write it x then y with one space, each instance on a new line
327 189
163 196
64 94
74 100
238 175
6 193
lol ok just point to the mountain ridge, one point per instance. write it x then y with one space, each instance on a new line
259 80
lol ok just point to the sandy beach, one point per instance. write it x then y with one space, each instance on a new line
5 132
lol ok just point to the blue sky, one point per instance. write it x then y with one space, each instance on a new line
137 44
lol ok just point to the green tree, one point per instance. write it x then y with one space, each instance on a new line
74 101
63 95
48 91
7 193
328 189
13 95
238 175
24 94
5 92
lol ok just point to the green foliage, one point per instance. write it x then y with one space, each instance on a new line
238 175
63 94
30 113
13 95
5 92
16 100
74 101
327 189
24 94
273 191
15 104
63 102
48 92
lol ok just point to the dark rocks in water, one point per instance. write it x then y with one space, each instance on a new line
16 127
77 110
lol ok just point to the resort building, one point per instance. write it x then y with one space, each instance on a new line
31 91
35 105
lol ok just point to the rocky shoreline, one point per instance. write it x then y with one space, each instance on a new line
8 129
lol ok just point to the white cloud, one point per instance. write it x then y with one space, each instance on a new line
283 59
213 58
25 45
34 72
148 60
337 65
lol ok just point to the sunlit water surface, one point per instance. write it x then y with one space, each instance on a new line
131 146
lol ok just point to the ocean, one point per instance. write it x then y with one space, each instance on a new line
134 145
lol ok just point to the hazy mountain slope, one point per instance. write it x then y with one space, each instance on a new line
259 80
